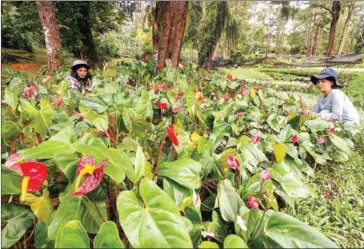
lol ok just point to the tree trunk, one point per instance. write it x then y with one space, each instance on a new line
170 18
346 27
335 12
51 34
212 54
309 35
88 39
316 40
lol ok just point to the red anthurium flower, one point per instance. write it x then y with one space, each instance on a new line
176 108
110 116
252 202
320 140
179 95
107 135
164 86
330 131
13 162
255 139
243 91
229 76
226 97
59 102
182 63
30 91
233 162
256 89
239 114
34 174
161 105
80 115
155 88
265 175
172 136
93 175
295 138
146 58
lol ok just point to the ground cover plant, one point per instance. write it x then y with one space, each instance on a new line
183 159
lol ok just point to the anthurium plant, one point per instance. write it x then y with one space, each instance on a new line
184 159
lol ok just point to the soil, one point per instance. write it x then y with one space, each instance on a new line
25 66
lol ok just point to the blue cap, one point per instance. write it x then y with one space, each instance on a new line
325 74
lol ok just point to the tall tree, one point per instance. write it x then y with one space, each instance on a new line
217 13
346 27
335 15
168 30
51 34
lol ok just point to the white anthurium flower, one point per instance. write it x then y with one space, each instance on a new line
207 234
241 223
196 199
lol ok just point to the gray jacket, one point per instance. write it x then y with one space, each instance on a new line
337 106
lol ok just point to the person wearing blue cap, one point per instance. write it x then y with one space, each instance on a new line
80 78
334 104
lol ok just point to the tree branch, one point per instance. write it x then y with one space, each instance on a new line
323 7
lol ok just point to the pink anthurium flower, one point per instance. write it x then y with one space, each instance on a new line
59 102
93 175
255 139
233 162
172 136
30 91
252 202
239 114
80 115
243 91
265 175
164 86
320 140
305 111
330 131
176 108
13 162
295 138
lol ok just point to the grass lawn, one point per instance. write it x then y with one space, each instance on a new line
246 73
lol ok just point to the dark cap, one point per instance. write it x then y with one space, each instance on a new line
79 63
327 73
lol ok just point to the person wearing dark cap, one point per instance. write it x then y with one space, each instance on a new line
334 104
80 78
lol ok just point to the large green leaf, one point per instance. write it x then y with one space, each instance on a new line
45 150
181 195
208 244
229 200
340 143
108 236
41 119
99 120
184 171
234 241
93 104
10 181
18 220
252 156
10 129
72 235
154 223
90 213
11 97
142 166
118 161
67 162
217 226
289 232
41 236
